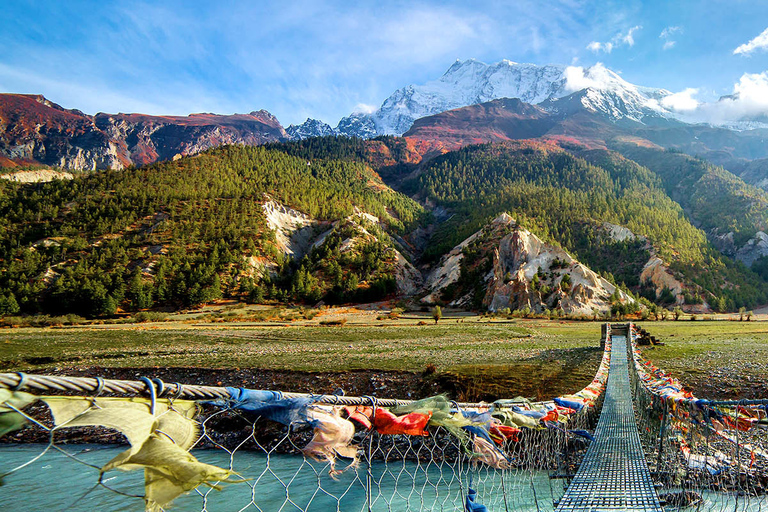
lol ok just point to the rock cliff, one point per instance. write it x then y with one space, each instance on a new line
35 130
524 272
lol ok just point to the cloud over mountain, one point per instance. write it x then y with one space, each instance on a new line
758 43
620 39
682 101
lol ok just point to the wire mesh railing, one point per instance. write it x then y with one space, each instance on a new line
703 454
214 448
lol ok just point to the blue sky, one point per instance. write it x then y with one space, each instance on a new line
323 59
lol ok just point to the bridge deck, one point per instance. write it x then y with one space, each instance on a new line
614 474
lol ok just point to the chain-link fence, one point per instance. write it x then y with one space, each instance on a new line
214 449
703 455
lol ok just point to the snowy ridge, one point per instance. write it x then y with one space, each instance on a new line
470 82
309 128
601 90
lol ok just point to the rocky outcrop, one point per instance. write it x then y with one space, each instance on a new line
35 130
656 273
755 248
619 233
408 278
295 231
296 234
525 273
562 283
36 176
446 272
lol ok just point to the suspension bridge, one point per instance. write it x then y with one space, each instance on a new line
633 439
614 474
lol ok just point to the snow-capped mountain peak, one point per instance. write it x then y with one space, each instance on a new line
471 81
309 128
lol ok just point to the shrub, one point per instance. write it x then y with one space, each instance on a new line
149 316
340 322
437 313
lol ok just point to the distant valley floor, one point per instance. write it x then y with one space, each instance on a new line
466 356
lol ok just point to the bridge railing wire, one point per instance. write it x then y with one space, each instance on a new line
246 462
704 455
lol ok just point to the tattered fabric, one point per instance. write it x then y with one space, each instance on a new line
269 405
501 432
11 420
484 451
514 419
569 401
470 505
159 443
412 424
440 409
360 414
332 436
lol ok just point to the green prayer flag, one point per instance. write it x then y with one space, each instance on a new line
10 420
159 443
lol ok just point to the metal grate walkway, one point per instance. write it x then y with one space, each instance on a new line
614 474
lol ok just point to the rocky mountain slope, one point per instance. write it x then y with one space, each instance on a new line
35 130
572 118
309 128
584 103
567 197
494 121
313 220
243 222
505 266
732 213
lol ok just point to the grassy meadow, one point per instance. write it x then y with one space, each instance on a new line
510 357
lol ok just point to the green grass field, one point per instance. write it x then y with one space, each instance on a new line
534 358
525 357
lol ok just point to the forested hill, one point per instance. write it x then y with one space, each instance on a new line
183 233
717 200
567 200
178 233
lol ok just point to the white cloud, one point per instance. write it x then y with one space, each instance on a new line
577 78
759 42
600 47
616 41
628 38
748 102
362 108
682 101
749 98
667 34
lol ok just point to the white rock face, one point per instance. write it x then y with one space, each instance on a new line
408 278
517 258
618 233
297 233
755 248
471 82
520 255
447 271
657 273
294 230
38 176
